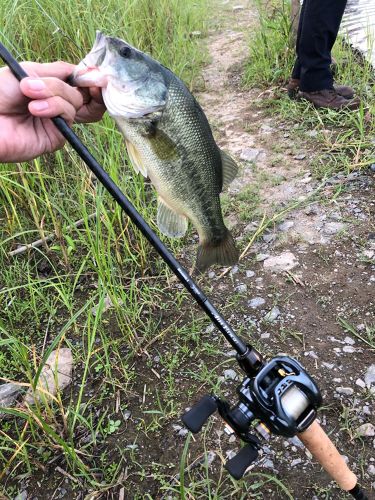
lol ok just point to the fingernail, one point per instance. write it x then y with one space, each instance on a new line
40 105
36 84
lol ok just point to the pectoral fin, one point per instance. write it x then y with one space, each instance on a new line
136 159
170 222
229 169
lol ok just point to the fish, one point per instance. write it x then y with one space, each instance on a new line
169 140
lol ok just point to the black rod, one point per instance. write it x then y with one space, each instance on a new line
138 220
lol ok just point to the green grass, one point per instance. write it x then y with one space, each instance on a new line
344 138
47 294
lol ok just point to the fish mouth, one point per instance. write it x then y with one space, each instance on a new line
88 73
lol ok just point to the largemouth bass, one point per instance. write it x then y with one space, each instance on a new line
168 139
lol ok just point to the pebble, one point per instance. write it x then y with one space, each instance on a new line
332 228
265 336
210 328
249 154
372 167
295 462
349 348
311 354
256 302
242 288
360 382
273 314
230 374
346 391
268 464
371 470
328 365
300 156
249 274
182 432
349 340
266 129
282 262
261 257
366 430
238 8
370 376
285 226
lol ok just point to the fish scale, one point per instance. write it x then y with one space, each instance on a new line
169 139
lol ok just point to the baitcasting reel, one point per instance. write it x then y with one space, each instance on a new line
281 396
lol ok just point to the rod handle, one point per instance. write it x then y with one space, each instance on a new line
322 448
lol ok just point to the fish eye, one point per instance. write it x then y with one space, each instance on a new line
125 51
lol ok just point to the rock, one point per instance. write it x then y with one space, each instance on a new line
268 464
250 154
234 270
282 262
56 374
250 274
296 442
126 414
370 376
230 375
238 8
328 365
311 354
261 257
372 167
349 348
285 226
349 340
265 336
300 156
366 430
22 495
256 302
8 395
107 304
182 432
371 470
361 383
312 133
211 275
242 288
196 34
346 391
266 129
295 462
331 228
210 328
272 315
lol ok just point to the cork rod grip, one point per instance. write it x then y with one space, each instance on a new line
322 448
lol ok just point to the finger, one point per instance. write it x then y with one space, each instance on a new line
44 88
51 107
57 69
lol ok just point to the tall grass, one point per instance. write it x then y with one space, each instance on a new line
47 294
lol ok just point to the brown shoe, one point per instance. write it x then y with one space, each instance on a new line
329 99
343 90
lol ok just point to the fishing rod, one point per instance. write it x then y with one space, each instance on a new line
278 394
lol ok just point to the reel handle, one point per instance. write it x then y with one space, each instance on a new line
322 448
198 415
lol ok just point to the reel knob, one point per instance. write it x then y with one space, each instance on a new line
197 416
237 465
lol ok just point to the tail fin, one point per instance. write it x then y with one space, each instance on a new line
222 252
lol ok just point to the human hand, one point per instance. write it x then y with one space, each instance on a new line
26 107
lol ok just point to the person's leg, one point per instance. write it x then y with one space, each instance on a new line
296 73
320 24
